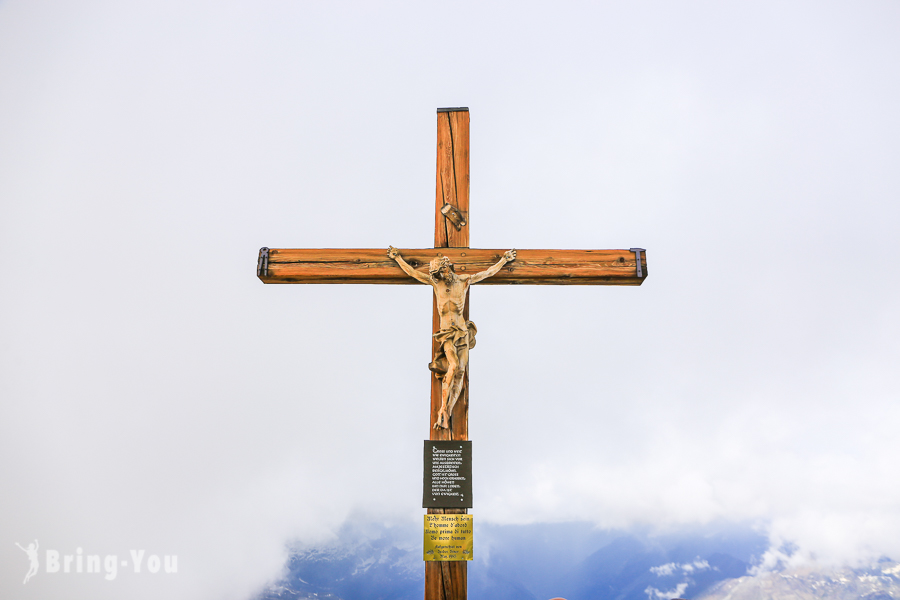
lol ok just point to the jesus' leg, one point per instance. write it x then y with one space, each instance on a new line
443 419
456 383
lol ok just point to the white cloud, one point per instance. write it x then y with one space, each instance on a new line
653 593
670 568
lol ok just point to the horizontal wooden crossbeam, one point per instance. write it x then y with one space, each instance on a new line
371 265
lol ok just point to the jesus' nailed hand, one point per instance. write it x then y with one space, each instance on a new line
456 335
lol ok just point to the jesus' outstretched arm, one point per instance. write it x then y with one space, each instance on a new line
508 256
395 254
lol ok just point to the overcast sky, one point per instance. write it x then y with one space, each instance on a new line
157 396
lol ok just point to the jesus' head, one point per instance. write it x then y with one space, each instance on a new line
440 268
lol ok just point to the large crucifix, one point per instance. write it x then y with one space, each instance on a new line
450 267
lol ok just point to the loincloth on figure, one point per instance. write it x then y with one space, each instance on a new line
461 338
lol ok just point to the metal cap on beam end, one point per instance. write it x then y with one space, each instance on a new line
637 260
262 263
454 109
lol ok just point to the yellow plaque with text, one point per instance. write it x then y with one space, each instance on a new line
448 537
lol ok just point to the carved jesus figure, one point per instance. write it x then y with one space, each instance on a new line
456 335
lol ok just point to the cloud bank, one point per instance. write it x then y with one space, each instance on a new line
156 396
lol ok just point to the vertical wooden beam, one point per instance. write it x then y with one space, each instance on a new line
448 580
452 186
452 189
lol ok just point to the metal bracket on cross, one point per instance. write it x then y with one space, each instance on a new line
637 260
262 263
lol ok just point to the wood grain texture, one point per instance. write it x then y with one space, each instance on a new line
531 267
452 182
448 580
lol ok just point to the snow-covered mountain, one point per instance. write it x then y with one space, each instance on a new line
877 582
574 561
527 562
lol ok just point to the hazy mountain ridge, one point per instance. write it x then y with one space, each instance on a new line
878 582
525 562
377 564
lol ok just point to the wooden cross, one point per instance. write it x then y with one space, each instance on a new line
447 580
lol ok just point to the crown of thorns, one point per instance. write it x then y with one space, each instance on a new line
436 263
